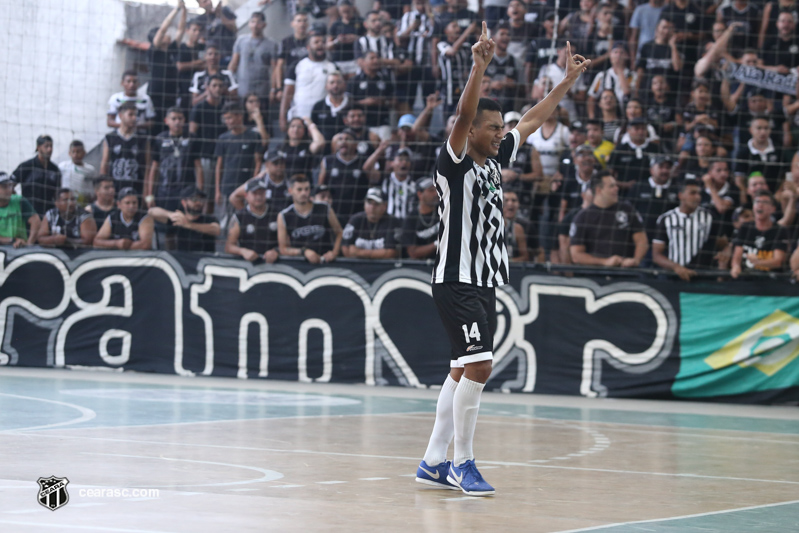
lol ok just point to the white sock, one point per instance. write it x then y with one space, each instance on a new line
443 429
465 405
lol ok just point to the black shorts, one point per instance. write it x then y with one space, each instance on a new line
469 314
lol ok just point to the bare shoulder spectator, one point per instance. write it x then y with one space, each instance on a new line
66 227
194 231
306 228
343 171
176 163
76 174
200 80
254 61
252 232
104 200
372 233
39 178
304 81
19 223
328 113
126 153
238 154
420 229
685 238
127 227
609 232
761 245
143 104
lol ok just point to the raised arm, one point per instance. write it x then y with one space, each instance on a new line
532 120
482 53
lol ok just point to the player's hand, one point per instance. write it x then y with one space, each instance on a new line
483 49
575 64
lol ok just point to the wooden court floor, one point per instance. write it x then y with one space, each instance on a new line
232 456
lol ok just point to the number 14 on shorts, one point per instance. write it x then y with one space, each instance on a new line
471 333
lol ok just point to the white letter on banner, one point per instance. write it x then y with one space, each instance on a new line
327 350
263 329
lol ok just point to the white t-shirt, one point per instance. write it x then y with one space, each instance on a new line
78 179
550 148
309 79
144 106
555 75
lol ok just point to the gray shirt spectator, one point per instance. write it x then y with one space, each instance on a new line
254 59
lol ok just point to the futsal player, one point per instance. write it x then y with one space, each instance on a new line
472 261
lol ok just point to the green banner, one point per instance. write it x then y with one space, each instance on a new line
736 344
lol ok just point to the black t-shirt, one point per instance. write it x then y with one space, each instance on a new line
607 232
463 16
100 215
187 54
238 158
163 86
656 59
38 182
779 52
176 157
572 188
311 230
723 221
257 232
292 50
299 159
277 194
362 86
127 160
348 184
651 202
328 123
420 230
769 163
761 243
124 229
209 119
216 32
193 241
382 235
541 52
631 163
345 51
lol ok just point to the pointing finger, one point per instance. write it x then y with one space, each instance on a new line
485 32
569 48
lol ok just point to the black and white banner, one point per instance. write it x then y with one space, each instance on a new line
765 79
370 323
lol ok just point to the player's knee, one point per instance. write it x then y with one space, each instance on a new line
479 371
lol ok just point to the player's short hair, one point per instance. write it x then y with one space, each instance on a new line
485 104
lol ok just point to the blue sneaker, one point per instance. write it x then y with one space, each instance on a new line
469 480
434 475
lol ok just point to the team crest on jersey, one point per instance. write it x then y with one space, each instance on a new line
363 147
250 229
760 240
334 172
53 492
622 219
117 149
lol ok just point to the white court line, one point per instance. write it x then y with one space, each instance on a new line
83 528
86 414
699 515
268 475
414 459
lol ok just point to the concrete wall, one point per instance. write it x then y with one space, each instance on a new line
59 65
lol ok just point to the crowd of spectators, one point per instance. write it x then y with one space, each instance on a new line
677 149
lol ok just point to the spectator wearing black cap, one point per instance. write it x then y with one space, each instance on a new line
420 229
176 163
306 228
199 83
143 104
656 195
66 227
274 180
238 154
304 81
346 174
321 194
372 233
252 232
126 228
126 153
39 178
19 223
630 159
194 231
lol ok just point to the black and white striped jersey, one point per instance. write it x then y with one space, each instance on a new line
688 238
472 231
400 195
